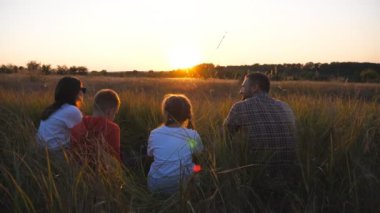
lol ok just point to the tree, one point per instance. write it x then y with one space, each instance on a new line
62 70
33 66
46 69
7 69
369 75
309 66
205 70
73 70
82 70
103 72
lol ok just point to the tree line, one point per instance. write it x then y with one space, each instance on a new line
335 71
47 69
341 71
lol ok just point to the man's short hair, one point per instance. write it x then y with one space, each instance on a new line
259 79
106 99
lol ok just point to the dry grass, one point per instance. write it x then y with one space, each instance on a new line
339 150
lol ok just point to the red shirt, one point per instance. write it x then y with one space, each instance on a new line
93 129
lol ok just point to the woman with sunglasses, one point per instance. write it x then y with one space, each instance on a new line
58 118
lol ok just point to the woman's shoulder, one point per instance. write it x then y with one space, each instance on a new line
69 109
68 112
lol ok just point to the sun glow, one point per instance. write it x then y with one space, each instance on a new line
184 57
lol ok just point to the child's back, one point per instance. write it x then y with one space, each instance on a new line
172 146
54 132
96 132
172 149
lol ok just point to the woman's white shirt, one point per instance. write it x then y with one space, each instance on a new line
54 132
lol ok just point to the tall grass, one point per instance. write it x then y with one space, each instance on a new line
338 149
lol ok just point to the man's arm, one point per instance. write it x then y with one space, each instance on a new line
232 123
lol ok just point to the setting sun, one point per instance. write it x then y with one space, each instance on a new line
184 57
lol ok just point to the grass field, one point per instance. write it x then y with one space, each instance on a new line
338 149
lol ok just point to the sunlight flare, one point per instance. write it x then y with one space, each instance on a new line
184 57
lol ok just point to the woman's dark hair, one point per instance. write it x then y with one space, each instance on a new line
177 109
66 92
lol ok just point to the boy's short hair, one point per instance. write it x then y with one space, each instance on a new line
106 99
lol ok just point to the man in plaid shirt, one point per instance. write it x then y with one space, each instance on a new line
268 124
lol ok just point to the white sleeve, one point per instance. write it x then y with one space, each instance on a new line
198 146
72 117
150 146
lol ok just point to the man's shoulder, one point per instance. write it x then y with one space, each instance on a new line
240 104
246 103
283 104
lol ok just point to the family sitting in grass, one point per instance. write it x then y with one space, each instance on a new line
268 124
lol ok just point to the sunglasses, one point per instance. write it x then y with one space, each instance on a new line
83 89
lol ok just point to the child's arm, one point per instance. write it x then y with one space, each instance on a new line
149 150
115 142
196 147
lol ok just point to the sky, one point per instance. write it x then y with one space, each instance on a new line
168 34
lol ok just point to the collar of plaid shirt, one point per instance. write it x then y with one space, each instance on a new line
259 94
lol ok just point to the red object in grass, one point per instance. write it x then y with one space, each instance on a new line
197 168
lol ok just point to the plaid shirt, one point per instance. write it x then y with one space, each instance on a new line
269 126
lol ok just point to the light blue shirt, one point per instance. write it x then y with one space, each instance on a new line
172 150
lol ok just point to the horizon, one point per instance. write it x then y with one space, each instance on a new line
187 68
168 35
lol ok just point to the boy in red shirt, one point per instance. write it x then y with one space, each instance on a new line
98 133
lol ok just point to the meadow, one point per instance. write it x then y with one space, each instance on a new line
338 150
